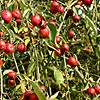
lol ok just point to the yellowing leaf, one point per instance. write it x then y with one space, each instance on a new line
25 29
22 86
27 41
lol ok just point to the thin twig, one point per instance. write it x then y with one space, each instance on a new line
1 83
66 73
16 64
38 73
61 3
7 95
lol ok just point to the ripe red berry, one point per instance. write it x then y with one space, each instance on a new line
42 88
20 35
91 91
64 47
53 10
33 96
21 47
80 3
52 22
44 32
9 48
1 34
2 45
11 82
12 75
18 21
1 62
97 88
87 50
71 34
26 95
36 20
61 9
76 18
70 12
6 16
16 14
58 39
72 22
72 61
55 4
87 2
58 52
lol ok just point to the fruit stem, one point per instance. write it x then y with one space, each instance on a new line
58 31
1 82
66 74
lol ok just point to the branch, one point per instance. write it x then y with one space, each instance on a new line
58 31
38 73
16 64
66 73
1 82
6 95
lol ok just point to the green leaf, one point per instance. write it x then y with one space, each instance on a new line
79 46
54 96
37 90
50 44
12 33
47 41
20 29
53 32
86 87
31 68
16 36
91 24
4 98
75 11
48 14
15 29
25 12
98 39
58 76
24 2
6 71
10 4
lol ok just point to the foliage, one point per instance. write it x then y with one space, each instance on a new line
38 65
